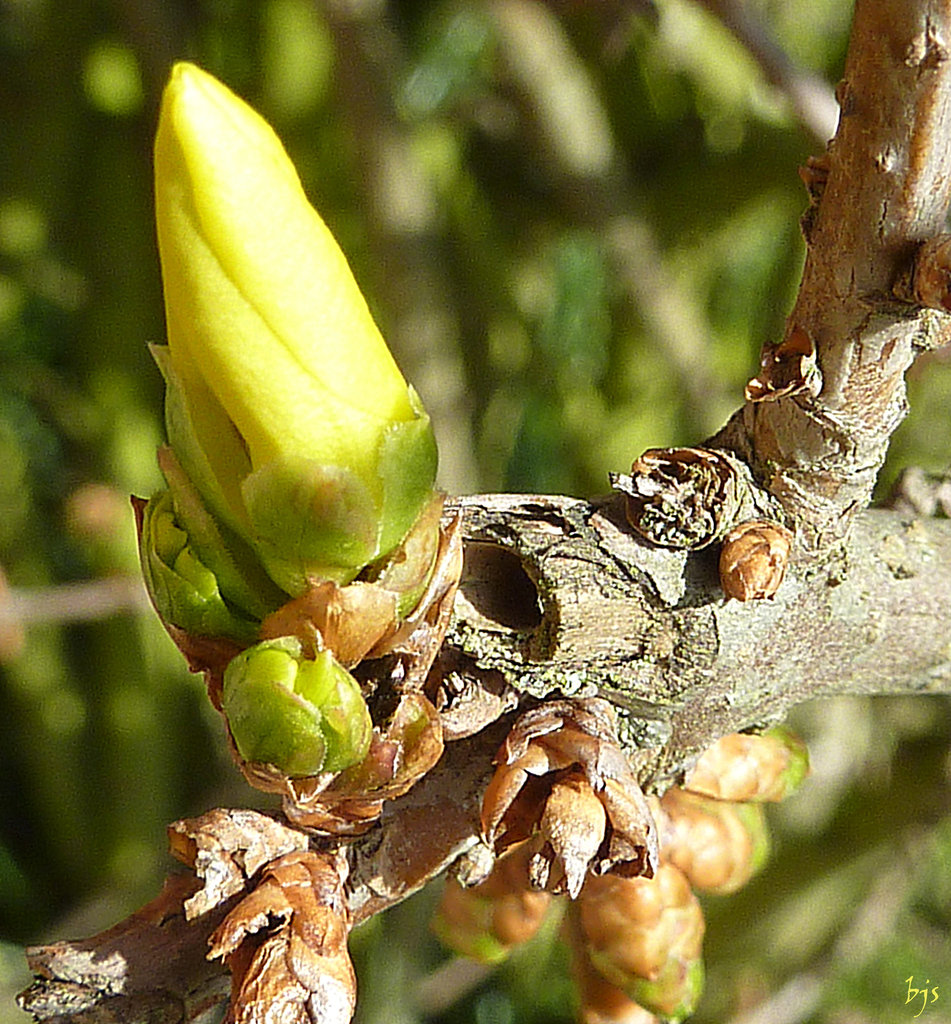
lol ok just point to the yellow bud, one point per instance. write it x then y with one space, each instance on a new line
285 407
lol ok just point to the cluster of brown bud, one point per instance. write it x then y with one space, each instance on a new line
564 785
718 844
635 927
486 921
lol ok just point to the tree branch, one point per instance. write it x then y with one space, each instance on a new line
559 598
882 190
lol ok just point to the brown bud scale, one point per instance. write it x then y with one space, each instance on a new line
788 368
682 497
563 783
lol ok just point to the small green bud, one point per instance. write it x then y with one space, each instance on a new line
183 589
674 993
304 716
797 757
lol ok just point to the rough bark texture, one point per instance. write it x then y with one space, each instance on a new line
886 191
559 597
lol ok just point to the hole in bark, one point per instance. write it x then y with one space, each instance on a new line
498 589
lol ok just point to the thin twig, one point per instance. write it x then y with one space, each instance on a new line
73 602
810 97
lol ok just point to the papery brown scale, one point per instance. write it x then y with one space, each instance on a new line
418 638
571 831
629 850
786 368
498 801
561 774
225 848
683 497
286 945
573 746
522 821
365 618
348 620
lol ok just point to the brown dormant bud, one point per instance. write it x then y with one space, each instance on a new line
753 560
600 1001
718 844
485 921
645 935
743 766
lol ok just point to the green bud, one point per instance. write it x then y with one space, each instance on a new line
304 716
183 589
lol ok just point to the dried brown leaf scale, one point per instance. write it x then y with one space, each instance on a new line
681 497
286 945
788 368
563 783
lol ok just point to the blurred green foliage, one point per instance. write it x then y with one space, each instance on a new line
577 224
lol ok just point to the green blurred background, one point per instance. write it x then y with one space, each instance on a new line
577 222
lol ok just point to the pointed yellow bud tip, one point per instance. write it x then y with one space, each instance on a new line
285 408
